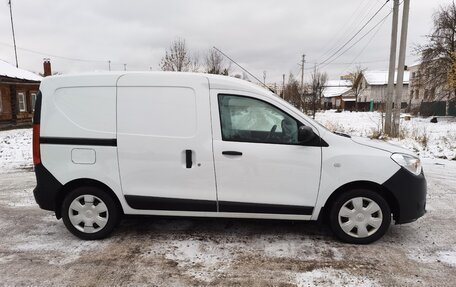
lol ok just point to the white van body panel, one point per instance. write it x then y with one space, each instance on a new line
101 106
79 106
346 161
280 174
158 120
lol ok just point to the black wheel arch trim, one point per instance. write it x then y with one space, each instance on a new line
49 193
71 185
360 184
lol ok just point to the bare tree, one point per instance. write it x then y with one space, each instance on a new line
177 58
356 77
291 92
215 63
438 56
318 82
195 64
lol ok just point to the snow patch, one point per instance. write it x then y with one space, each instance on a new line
10 71
201 260
332 277
448 257
15 149
419 135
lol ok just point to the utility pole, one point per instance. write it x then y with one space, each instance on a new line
12 28
392 64
400 69
302 74
316 86
283 86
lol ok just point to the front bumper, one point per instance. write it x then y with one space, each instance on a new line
409 190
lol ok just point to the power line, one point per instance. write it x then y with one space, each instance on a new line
359 40
56 56
354 36
225 55
367 44
348 28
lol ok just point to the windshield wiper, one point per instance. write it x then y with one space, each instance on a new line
342 134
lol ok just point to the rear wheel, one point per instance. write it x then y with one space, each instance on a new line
90 213
360 216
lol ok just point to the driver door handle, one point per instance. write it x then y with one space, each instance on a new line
230 152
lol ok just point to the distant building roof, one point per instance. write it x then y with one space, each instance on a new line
335 88
379 78
329 92
8 70
338 83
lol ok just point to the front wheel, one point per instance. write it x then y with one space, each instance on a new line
360 216
90 213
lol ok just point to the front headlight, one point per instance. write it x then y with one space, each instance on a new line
411 163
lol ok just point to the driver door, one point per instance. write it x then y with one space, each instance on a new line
260 165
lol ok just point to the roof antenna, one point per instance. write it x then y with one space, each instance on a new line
226 56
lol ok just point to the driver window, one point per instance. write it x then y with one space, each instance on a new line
251 120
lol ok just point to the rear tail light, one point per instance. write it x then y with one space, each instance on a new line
36 144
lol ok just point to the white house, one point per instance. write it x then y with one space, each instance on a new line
374 87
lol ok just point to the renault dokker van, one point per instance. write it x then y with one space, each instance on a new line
183 144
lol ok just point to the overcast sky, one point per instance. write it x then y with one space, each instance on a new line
262 35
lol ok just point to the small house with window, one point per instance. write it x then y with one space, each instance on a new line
18 89
337 95
374 89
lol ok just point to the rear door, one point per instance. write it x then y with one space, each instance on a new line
164 142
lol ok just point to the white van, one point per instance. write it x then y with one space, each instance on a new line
183 144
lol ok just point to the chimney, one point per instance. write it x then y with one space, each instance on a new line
47 67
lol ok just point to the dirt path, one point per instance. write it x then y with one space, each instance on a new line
36 249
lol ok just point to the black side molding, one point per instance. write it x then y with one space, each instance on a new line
78 141
247 207
164 203
180 204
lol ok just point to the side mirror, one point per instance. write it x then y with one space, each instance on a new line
305 134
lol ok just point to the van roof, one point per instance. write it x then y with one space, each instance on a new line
110 79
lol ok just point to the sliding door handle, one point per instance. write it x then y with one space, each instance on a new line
188 158
230 152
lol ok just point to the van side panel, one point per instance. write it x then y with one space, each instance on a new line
78 129
165 143
80 112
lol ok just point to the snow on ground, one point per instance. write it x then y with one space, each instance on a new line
331 277
429 140
15 149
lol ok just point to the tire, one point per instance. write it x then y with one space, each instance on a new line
90 213
360 216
